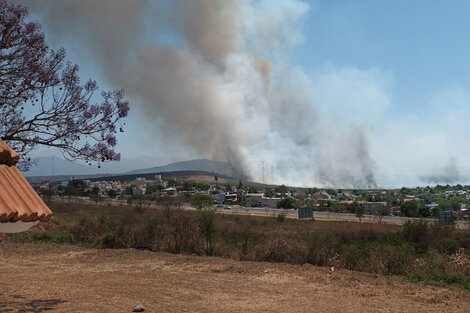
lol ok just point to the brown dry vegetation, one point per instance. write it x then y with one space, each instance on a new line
433 253
64 278
205 179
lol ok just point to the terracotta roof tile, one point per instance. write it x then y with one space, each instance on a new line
18 200
7 155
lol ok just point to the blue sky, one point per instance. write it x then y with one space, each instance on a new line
424 45
421 49
397 70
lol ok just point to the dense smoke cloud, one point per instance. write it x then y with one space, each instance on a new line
212 76
448 175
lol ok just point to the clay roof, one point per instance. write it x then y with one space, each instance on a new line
18 200
7 155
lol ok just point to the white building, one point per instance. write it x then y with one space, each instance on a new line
138 191
259 200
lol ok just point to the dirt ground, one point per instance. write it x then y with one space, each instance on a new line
61 278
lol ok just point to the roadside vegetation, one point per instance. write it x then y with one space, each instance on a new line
423 252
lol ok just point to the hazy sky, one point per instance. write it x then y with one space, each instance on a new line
395 71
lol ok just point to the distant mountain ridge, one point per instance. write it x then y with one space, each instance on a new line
203 165
56 166
64 170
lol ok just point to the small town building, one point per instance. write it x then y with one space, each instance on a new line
372 207
138 191
219 198
259 200
169 190
321 198
230 198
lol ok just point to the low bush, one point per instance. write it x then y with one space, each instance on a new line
422 251
44 236
246 243
280 249
397 259
108 240
281 217
440 278
320 248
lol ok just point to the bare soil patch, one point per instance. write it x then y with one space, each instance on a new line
63 278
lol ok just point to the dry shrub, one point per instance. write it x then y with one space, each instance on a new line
432 261
320 248
247 243
397 259
378 258
280 249
354 258
238 241
441 269
91 228
459 262
182 231
189 236
422 251
145 236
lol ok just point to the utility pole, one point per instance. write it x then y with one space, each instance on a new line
262 169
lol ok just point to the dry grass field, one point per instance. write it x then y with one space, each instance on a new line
64 278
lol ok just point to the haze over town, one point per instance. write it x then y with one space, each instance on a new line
347 94
234 156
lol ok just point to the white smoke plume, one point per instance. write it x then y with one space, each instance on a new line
212 76
448 175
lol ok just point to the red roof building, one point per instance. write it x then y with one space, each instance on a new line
19 203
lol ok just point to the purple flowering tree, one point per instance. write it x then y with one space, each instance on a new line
42 101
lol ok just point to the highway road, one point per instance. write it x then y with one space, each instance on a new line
329 216
265 211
